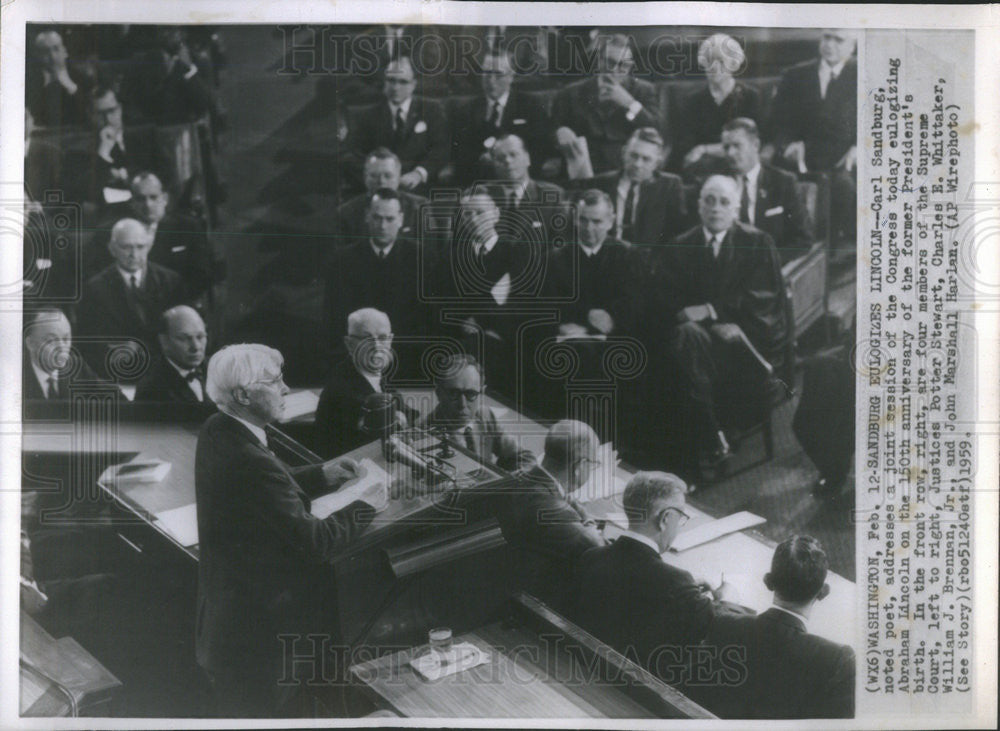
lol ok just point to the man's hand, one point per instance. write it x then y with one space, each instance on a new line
796 152
727 332
469 326
726 592
849 160
62 76
572 330
410 180
376 495
338 471
401 421
695 313
106 140
601 321
694 155
609 90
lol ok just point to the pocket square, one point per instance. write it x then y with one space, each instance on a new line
175 249
520 121
774 211
420 127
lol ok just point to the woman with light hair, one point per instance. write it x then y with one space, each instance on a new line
698 125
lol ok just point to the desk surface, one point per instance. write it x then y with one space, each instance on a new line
742 557
521 680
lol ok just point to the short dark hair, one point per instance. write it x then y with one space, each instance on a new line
645 489
798 569
743 124
508 135
382 153
648 134
593 197
454 364
385 194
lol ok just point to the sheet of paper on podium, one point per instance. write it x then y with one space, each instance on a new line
180 523
715 529
299 404
371 474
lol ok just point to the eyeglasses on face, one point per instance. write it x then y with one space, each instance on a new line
383 338
682 517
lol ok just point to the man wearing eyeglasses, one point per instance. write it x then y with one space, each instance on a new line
627 596
463 417
263 569
339 414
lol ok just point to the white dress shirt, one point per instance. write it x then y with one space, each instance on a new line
752 177
487 246
194 385
127 276
384 251
590 251
375 380
43 378
254 429
716 240
826 74
623 186
402 106
502 101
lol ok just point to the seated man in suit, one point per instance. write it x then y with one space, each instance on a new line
178 374
462 415
529 208
607 108
56 91
339 414
49 367
263 569
478 123
180 242
123 302
725 299
382 170
649 206
789 673
769 197
627 596
414 128
380 271
542 521
597 280
814 122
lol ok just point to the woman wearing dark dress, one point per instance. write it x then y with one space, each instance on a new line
697 151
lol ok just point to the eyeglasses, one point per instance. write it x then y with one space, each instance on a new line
384 338
682 516
454 393
271 381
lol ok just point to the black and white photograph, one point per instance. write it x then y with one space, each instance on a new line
478 374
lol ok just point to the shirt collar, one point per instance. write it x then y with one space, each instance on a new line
798 616
709 235
405 106
589 251
127 276
502 101
183 371
378 251
489 243
825 68
254 429
43 376
642 539
753 175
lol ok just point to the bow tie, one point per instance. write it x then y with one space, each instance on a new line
194 375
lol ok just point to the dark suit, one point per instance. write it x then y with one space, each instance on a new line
109 311
424 142
541 217
660 213
486 439
86 174
471 126
340 412
609 280
357 278
627 596
780 212
828 126
699 120
165 96
163 384
351 226
263 565
51 105
76 373
605 125
789 673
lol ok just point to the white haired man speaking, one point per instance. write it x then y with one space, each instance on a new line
263 568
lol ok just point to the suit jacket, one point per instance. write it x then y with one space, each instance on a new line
489 440
744 284
627 596
50 104
540 218
827 126
264 558
166 97
609 280
699 120
522 115
76 372
339 414
108 311
163 384
661 213
357 278
780 212
789 673
604 124
181 244
351 218
425 142
86 174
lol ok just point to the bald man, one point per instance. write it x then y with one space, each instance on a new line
722 287
178 373
541 520
48 369
124 301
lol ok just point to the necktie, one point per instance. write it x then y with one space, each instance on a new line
511 199
133 283
399 128
628 213
745 201
470 440
481 257
53 388
495 115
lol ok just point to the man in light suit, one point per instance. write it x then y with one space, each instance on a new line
769 198
657 610
339 425
263 569
125 299
606 108
786 671
49 368
649 205
178 374
724 298
463 417
413 127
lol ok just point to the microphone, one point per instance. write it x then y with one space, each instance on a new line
378 415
